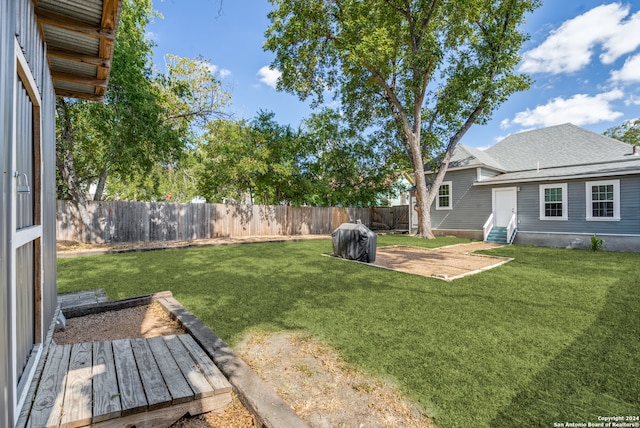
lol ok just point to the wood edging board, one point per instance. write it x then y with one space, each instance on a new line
114 305
258 397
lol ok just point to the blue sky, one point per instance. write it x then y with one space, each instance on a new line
583 55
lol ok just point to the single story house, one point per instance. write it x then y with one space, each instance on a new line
556 186
48 48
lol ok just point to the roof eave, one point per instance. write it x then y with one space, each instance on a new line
461 168
490 182
75 64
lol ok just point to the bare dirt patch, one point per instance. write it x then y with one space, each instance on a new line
72 247
132 323
447 263
322 389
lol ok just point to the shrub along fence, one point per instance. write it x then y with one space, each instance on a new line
122 221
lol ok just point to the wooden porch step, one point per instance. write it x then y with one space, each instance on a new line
143 382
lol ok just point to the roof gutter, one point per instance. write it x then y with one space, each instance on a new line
556 178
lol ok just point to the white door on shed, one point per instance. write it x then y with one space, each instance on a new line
26 232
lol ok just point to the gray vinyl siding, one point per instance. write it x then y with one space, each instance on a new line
471 204
629 224
7 65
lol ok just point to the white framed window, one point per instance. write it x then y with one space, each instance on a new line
554 202
444 200
603 200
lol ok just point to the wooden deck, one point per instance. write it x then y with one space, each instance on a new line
131 382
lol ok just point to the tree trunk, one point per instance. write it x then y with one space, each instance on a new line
64 154
423 202
101 183
423 196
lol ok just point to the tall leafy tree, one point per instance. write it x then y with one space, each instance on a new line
125 134
341 166
136 139
191 93
229 162
628 132
256 161
260 161
422 71
281 145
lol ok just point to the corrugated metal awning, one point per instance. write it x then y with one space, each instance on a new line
80 37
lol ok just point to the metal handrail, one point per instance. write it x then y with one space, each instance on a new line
487 227
511 229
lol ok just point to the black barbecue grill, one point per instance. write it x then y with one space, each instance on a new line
354 241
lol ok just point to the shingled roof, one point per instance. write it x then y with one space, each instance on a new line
557 152
556 146
465 157
80 37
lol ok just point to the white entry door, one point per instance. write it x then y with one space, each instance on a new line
505 204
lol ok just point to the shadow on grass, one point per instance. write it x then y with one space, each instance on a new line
232 288
596 375
552 335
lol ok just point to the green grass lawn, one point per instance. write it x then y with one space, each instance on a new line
553 336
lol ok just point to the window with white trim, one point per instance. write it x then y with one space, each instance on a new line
603 200
443 200
553 201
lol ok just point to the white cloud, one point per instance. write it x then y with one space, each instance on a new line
216 70
626 39
223 72
630 71
580 109
269 76
150 35
571 46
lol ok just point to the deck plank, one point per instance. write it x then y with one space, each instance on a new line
192 374
215 377
47 406
169 415
155 389
106 397
77 395
178 386
142 381
132 395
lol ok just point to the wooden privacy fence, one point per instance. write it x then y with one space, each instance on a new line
396 218
122 221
